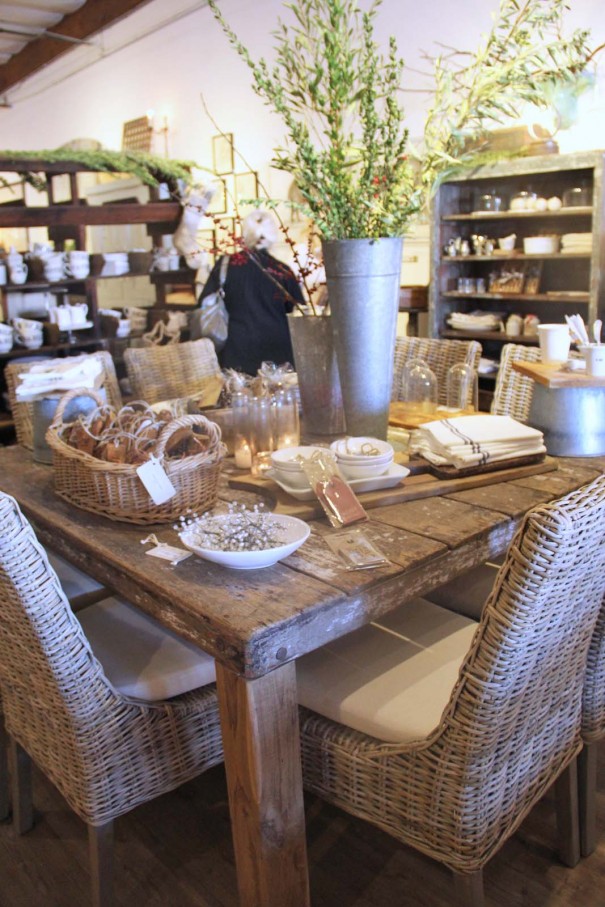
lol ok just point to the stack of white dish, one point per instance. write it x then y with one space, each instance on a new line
115 264
287 464
576 242
6 338
475 321
362 458
541 245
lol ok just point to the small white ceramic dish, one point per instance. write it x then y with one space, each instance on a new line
393 476
286 458
292 535
363 470
353 449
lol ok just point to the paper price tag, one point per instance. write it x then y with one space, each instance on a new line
169 553
154 478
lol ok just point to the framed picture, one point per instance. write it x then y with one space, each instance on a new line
246 186
137 135
222 153
218 205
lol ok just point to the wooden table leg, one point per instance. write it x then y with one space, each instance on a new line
259 720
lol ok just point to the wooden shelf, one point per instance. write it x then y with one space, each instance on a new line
161 214
18 352
571 299
582 211
499 336
513 256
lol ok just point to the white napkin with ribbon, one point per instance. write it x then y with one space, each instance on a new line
475 440
60 375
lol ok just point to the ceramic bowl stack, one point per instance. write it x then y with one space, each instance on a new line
287 465
6 338
362 458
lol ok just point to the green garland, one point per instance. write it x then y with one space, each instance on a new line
150 169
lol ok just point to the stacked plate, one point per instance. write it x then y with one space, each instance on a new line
475 321
576 242
362 458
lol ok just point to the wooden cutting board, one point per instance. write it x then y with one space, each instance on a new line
420 485
555 376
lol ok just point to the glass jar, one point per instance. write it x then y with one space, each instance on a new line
489 201
260 433
524 201
419 389
286 424
241 431
462 388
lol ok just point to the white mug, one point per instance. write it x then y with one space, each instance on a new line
18 273
594 354
555 341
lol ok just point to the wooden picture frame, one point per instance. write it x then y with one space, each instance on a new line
137 135
246 186
218 204
222 153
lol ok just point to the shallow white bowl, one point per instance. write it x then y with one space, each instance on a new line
294 533
285 459
350 449
363 470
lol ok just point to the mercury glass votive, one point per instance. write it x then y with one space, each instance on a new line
286 423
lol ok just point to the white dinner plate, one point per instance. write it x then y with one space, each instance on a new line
393 476
293 532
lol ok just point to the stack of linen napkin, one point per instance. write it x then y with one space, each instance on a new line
576 242
475 440
60 375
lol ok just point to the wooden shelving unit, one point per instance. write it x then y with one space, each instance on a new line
568 281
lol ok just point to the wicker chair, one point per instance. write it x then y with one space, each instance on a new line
593 730
439 355
23 412
85 707
513 391
167 372
465 765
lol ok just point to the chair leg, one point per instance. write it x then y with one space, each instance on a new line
21 787
4 791
568 822
587 792
468 888
100 847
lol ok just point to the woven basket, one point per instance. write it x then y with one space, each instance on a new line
116 490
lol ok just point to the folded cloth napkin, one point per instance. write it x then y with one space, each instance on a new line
60 375
475 440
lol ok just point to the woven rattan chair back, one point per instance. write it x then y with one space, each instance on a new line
439 355
23 412
513 391
593 730
166 372
513 721
59 706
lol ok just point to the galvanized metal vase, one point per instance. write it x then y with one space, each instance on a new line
318 381
363 278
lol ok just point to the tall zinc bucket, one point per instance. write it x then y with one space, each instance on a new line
363 279
317 370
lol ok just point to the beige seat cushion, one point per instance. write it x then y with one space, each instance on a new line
141 658
391 679
73 581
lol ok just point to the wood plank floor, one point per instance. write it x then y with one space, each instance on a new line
176 852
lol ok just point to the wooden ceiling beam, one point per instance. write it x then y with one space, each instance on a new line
89 20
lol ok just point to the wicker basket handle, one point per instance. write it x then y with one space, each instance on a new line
212 429
71 395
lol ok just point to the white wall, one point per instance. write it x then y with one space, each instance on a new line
164 55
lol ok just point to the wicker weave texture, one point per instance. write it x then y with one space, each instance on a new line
513 720
593 703
104 752
116 490
513 391
439 355
23 412
166 372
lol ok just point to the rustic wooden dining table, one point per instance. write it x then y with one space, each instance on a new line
257 623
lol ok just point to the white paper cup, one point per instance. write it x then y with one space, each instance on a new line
595 359
555 341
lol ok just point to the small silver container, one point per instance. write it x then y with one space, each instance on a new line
572 419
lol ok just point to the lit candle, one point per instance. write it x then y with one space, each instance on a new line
261 462
287 440
243 456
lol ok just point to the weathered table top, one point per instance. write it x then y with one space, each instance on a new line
256 623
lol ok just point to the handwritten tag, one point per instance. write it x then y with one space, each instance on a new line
153 476
169 553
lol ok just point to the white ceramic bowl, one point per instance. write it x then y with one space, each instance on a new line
285 459
363 470
349 450
293 534
541 245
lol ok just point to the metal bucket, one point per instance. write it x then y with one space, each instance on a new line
572 419
44 412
